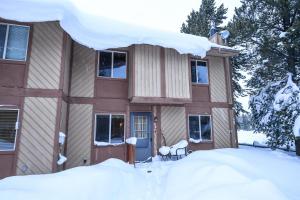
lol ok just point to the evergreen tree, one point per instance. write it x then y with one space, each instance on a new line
198 22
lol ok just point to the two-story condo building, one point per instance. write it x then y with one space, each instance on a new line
52 82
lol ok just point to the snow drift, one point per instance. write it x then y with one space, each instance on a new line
99 32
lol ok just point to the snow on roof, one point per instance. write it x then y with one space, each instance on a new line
98 32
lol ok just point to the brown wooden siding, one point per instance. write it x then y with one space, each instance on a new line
177 74
147 71
221 128
173 124
67 62
83 71
217 79
45 59
37 136
79 135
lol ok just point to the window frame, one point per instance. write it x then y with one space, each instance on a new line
112 64
110 117
2 57
199 60
199 119
16 134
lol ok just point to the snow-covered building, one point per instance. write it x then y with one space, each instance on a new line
100 81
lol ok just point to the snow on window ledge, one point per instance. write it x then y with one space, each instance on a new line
131 140
103 144
191 140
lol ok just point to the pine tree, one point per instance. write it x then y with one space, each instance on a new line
198 22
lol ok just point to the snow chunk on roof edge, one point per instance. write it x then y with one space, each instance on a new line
98 32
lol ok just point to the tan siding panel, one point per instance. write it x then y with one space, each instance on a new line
83 71
67 62
217 79
173 124
45 59
79 135
221 127
37 136
147 71
177 74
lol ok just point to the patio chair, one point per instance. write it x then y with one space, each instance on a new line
179 149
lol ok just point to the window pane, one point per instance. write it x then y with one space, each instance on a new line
102 128
17 42
194 71
117 128
202 72
194 127
141 126
205 128
2 39
119 65
8 119
105 64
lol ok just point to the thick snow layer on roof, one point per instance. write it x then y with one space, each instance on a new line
99 32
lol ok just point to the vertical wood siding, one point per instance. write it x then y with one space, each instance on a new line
173 124
67 62
147 71
79 135
229 81
83 71
233 128
37 135
45 58
221 127
217 79
177 74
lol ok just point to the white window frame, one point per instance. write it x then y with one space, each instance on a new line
17 124
112 64
199 119
198 60
6 40
110 116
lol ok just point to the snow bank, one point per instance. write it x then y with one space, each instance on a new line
131 140
248 137
99 32
215 174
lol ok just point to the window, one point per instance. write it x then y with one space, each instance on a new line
141 126
8 126
200 127
109 128
13 42
112 64
199 72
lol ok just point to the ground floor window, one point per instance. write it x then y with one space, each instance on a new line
8 129
200 127
109 128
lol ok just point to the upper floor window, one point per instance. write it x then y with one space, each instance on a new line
200 127
13 42
112 64
199 72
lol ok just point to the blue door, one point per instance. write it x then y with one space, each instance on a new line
141 128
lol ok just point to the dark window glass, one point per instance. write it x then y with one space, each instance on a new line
194 71
2 39
205 128
117 128
8 119
119 65
194 127
17 42
202 72
105 60
102 128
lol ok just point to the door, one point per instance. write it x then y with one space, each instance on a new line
141 128
8 136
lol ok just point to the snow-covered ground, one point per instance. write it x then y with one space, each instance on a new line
245 173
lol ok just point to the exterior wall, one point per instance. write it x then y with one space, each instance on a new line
79 135
67 65
45 60
147 71
173 124
217 79
177 74
36 146
221 128
83 71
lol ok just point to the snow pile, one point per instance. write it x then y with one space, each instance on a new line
214 174
131 140
248 137
164 150
99 32
296 128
